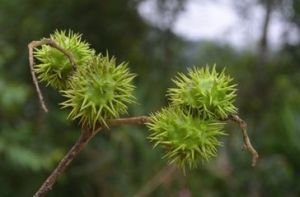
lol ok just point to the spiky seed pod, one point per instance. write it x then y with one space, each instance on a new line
187 140
55 68
99 92
204 93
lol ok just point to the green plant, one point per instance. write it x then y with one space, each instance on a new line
204 93
54 68
98 91
187 139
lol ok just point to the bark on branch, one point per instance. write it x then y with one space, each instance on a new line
84 138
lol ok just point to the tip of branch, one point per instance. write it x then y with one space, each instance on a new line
247 144
45 109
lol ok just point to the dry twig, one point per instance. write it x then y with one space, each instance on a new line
85 137
247 143
53 44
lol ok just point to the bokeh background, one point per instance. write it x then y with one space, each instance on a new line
158 38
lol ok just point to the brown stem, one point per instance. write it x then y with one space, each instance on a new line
83 140
247 143
53 44
139 120
87 135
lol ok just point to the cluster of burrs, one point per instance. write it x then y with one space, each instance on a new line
97 89
190 126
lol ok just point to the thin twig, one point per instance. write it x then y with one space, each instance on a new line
161 177
35 82
53 44
82 141
138 120
247 143
84 138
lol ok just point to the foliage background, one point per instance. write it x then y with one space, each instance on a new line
121 161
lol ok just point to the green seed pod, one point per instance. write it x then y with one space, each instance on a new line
55 68
204 93
99 92
187 140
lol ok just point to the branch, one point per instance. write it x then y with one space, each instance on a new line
53 44
247 143
139 120
161 177
87 135
83 140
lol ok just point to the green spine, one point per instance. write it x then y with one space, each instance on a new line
204 93
186 139
99 92
55 68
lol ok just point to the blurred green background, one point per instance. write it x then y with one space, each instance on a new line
121 162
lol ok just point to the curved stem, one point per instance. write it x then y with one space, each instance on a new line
53 44
247 143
